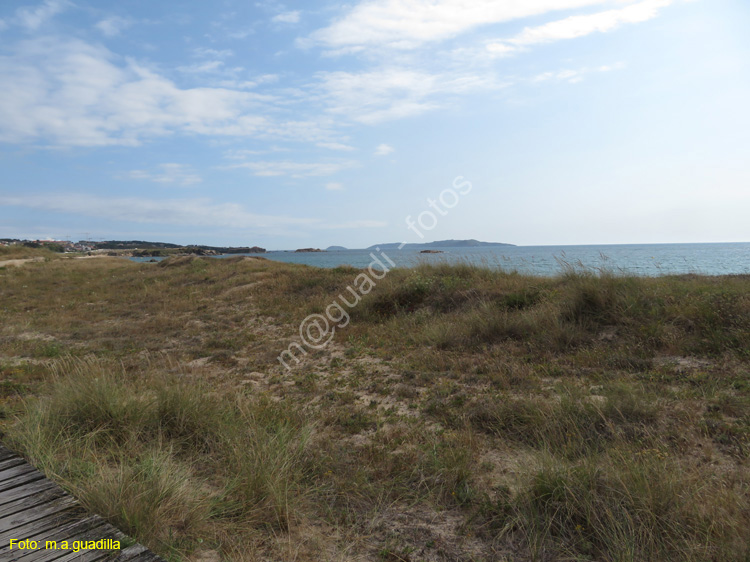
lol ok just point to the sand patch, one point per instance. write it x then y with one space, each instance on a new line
682 364
19 262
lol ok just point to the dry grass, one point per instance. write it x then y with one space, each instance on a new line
19 251
464 414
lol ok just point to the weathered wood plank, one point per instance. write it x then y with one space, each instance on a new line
26 490
30 501
14 521
64 532
85 556
6 454
10 462
39 526
14 471
52 555
106 531
103 531
33 507
90 528
18 480
47 555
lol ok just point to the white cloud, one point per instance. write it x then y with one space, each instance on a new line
500 49
202 67
293 169
384 150
213 53
574 76
333 186
177 174
249 84
113 26
370 97
336 146
267 78
300 131
33 18
355 224
393 93
579 26
3 25
192 212
287 17
237 84
240 34
406 24
69 93
244 154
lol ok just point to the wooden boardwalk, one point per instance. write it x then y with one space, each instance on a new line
35 508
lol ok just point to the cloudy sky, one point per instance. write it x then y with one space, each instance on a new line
295 124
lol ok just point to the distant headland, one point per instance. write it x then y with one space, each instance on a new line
471 243
135 248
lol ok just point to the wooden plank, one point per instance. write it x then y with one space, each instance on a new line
39 526
44 555
26 490
19 480
10 462
6 453
50 555
64 532
33 507
16 520
12 472
104 531
85 556
30 501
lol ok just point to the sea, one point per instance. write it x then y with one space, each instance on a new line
626 259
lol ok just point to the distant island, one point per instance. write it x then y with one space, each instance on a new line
440 244
427 245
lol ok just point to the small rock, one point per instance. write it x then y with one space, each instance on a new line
206 556
200 362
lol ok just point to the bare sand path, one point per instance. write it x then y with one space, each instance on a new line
19 262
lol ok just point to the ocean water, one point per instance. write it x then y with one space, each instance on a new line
632 259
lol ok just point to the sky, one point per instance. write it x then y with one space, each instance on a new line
299 124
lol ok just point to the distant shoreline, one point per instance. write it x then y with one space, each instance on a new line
545 261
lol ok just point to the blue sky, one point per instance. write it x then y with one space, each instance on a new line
317 123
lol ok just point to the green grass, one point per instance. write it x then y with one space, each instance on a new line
465 413
571 424
629 505
164 460
18 251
